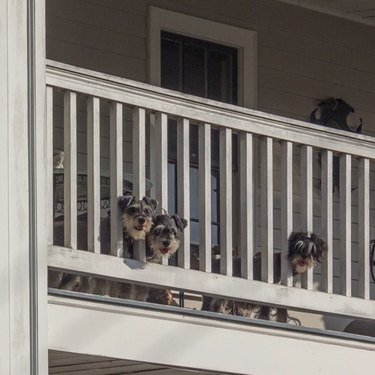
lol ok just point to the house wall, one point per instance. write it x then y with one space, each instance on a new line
303 57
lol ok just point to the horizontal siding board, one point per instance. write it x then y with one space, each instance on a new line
95 37
122 66
98 15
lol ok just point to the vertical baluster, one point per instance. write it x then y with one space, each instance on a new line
70 170
286 209
161 167
93 174
307 203
139 167
267 208
50 165
246 205
226 240
364 228
116 175
327 220
345 224
205 197
183 188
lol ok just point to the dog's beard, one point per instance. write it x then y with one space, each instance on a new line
301 265
159 250
134 229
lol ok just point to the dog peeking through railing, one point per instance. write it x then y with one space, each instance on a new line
305 250
140 222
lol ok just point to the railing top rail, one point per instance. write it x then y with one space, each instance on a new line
154 98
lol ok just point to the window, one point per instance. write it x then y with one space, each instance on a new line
199 68
207 59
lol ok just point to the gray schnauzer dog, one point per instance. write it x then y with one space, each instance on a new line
136 217
305 250
163 239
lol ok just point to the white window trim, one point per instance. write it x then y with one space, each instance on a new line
242 39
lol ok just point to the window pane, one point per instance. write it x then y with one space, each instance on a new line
193 74
170 64
222 85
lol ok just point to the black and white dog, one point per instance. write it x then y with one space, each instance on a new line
164 236
305 250
136 219
163 240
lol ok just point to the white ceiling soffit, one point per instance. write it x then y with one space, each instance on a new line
362 11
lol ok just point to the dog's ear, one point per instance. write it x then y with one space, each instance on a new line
181 223
125 201
155 218
150 202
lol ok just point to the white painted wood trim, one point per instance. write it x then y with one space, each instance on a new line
208 111
204 197
152 274
70 169
93 174
307 204
247 241
161 160
161 165
364 228
49 161
336 356
226 220
286 210
267 208
345 224
327 219
183 188
243 40
139 167
116 175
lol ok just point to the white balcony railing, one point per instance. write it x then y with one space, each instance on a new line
295 162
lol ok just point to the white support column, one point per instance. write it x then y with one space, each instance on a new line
49 157
161 164
205 197
307 203
70 170
267 208
161 160
226 235
364 228
327 220
93 174
23 251
247 204
116 115
183 188
286 209
139 167
346 224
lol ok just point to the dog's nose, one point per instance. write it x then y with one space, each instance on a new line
141 220
166 243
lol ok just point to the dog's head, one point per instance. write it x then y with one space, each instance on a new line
163 238
305 250
136 215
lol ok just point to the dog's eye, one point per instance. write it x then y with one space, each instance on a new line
147 211
131 210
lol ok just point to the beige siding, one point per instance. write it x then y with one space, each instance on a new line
303 55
